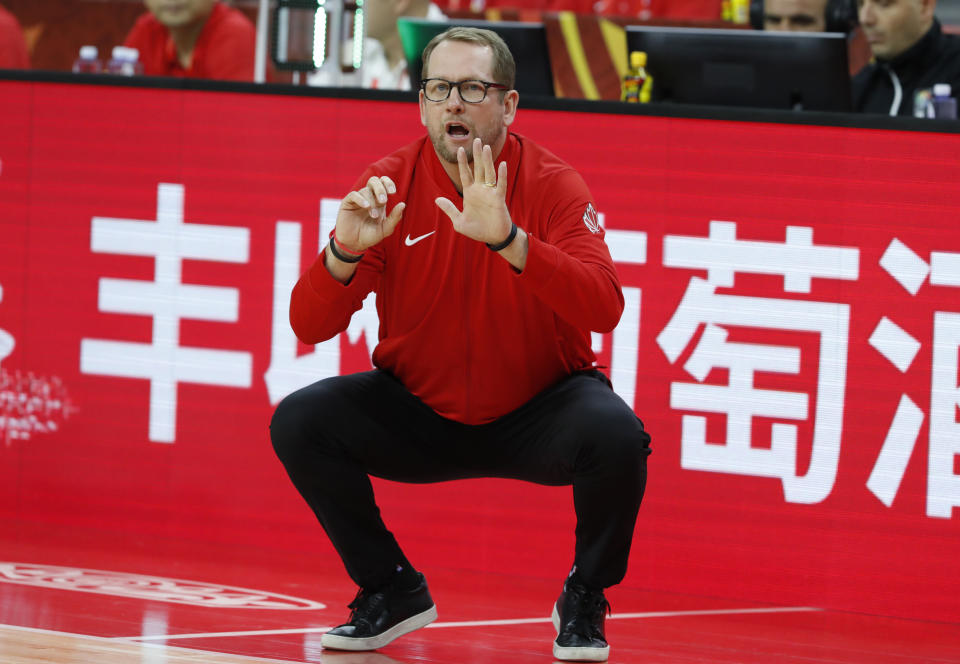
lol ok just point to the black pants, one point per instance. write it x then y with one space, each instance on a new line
332 435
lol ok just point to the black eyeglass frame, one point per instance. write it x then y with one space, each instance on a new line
456 84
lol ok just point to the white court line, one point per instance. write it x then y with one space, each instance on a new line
152 647
478 623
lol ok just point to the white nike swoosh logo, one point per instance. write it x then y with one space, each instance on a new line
410 241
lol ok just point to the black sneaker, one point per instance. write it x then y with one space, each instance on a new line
380 617
578 618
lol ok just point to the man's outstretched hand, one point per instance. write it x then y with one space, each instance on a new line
485 216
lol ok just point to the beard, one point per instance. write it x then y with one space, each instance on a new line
488 135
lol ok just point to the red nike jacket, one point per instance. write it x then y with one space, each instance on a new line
459 327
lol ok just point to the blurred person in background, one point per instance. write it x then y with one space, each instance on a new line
391 69
804 15
194 39
794 15
911 54
13 48
384 63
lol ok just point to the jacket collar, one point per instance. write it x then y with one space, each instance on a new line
917 59
170 56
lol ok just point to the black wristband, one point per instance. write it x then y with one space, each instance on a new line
342 257
506 243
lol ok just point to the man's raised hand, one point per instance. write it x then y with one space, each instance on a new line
485 217
362 220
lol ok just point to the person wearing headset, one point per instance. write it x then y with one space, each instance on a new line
803 15
911 54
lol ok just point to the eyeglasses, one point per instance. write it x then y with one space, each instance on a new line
471 91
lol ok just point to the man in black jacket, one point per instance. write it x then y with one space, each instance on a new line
911 55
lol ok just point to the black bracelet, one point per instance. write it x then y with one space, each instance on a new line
506 243
342 257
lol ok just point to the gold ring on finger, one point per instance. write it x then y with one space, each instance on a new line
489 184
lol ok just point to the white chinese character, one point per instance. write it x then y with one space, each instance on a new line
288 371
798 261
900 348
943 485
164 362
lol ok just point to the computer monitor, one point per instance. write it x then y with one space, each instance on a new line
760 69
527 42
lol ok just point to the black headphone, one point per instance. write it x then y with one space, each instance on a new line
840 15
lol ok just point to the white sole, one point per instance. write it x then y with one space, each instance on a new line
576 654
336 642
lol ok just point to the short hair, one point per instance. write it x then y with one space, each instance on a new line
504 66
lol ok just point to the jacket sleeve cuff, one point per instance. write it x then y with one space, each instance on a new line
321 282
542 262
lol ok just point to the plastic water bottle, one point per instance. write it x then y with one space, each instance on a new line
125 61
944 105
88 61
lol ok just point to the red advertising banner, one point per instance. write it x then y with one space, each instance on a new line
791 337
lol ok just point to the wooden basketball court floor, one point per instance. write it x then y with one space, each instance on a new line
88 597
